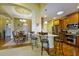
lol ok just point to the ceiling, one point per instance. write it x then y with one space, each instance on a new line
51 9
24 10
15 11
21 10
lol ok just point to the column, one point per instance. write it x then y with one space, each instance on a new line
36 21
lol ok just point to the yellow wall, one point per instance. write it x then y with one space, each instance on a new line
56 22
29 22
50 25
2 23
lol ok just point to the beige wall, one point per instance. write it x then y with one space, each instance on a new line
50 25
2 22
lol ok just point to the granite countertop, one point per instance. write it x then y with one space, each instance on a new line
73 34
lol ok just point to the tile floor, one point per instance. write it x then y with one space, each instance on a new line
22 51
25 50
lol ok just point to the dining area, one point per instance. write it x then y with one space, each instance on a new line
41 40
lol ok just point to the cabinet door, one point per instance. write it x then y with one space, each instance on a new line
77 41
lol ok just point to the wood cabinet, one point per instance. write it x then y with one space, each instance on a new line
77 41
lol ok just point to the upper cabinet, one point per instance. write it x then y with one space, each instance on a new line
70 21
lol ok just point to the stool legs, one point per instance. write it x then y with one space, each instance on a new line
61 48
55 47
35 43
48 47
42 49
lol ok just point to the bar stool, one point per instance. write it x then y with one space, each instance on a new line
44 40
58 45
35 39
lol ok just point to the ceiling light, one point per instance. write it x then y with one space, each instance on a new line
45 22
45 9
45 16
7 21
77 7
60 12
21 20
24 20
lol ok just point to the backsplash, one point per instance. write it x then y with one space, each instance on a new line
75 31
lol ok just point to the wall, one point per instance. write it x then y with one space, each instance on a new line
56 22
50 25
45 27
2 22
18 26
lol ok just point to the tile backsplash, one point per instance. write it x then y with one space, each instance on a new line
75 31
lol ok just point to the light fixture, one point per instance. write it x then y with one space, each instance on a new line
77 7
60 12
45 22
7 21
45 9
22 20
45 16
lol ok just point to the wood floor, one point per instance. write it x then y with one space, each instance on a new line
68 50
1 42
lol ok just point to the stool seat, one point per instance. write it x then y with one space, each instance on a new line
44 40
34 38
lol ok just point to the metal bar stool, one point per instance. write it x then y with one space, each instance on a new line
44 40
34 39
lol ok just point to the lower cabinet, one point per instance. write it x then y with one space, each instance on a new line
77 41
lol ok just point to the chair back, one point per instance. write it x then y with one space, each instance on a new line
44 36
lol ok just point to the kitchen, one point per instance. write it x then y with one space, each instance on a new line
69 26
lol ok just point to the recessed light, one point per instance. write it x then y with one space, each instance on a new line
45 9
60 12
45 22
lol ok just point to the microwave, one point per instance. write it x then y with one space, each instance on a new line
72 26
